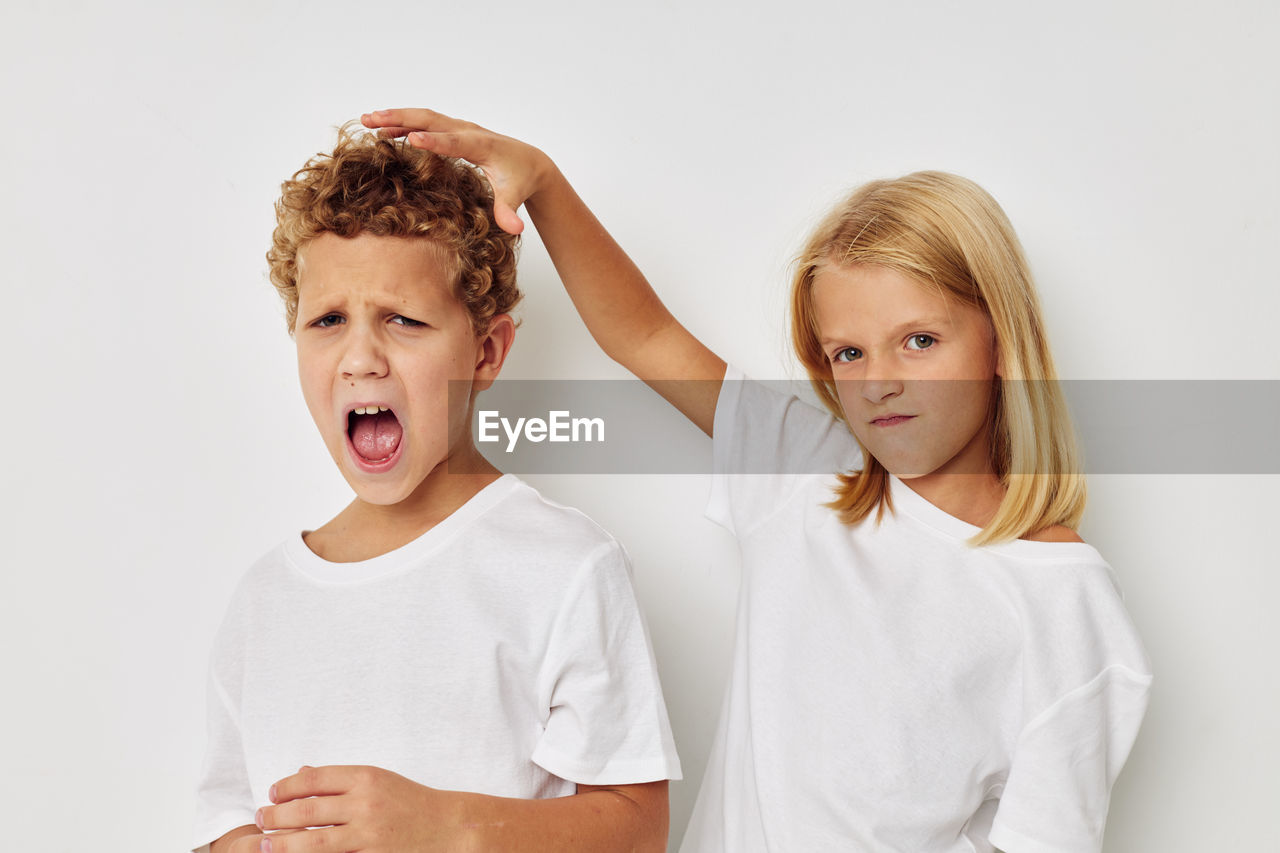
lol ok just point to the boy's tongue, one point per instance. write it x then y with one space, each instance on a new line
376 436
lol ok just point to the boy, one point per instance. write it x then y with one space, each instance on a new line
453 661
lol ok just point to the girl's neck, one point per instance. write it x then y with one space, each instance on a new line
973 498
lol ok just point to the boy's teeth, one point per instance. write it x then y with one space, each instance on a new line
370 410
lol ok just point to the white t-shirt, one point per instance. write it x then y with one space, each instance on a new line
501 652
893 688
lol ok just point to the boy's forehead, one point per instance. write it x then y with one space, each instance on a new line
408 266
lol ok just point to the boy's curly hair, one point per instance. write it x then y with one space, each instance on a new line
390 189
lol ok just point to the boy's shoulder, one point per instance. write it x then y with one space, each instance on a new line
508 526
525 509
530 528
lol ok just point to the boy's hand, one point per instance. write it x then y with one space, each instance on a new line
364 809
515 170
242 840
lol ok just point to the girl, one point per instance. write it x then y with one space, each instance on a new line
928 658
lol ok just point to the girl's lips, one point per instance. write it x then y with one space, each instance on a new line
891 420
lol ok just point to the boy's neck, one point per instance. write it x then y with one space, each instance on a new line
364 530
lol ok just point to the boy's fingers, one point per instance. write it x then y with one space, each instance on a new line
313 782
328 840
302 813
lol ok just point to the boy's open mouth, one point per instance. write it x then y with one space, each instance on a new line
375 433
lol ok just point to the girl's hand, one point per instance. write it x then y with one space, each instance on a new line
623 313
515 170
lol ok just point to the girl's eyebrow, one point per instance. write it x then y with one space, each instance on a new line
922 323
897 331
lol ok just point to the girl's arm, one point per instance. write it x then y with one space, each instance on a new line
622 312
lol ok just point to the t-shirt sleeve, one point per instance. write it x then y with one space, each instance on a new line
607 723
1059 785
224 799
1085 685
763 442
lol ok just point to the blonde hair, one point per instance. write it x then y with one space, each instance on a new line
946 231
388 188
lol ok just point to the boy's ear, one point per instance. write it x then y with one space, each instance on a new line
491 350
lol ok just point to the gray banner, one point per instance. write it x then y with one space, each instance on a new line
624 427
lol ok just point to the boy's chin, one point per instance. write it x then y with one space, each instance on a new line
378 495
389 489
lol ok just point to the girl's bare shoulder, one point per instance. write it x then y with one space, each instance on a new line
1055 533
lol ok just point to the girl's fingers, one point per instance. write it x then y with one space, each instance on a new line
507 218
451 137
416 118
450 143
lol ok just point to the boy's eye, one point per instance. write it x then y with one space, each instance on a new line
846 355
328 320
919 342
402 320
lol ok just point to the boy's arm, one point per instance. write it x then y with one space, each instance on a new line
244 839
367 808
624 315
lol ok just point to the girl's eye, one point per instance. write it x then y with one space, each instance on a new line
919 342
408 322
846 355
328 320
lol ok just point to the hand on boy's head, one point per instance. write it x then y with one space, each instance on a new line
354 808
514 169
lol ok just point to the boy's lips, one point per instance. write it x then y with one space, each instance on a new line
374 437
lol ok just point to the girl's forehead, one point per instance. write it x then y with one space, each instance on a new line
870 302
873 293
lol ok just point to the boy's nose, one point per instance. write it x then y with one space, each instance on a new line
363 357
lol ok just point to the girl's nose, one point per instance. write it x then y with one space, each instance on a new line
876 386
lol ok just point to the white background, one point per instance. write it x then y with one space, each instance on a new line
156 442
